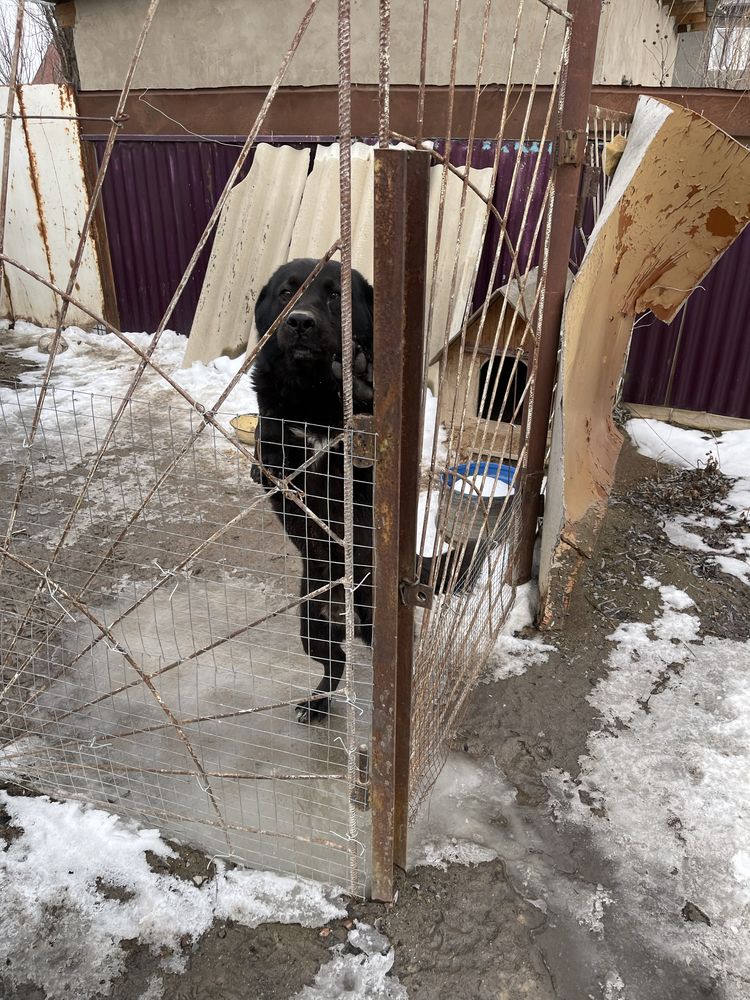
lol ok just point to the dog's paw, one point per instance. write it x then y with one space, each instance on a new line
313 711
362 372
255 474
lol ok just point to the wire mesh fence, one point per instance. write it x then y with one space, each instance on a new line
483 373
160 675
155 641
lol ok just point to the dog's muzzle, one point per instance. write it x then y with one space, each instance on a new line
301 329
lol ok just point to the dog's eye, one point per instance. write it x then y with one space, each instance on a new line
334 295
285 294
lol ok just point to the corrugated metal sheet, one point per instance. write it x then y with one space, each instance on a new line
252 239
527 186
160 191
47 204
458 250
712 361
317 225
158 196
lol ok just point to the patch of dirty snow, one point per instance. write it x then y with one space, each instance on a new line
599 902
735 567
363 976
100 364
613 986
431 426
456 825
78 879
679 535
512 655
664 786
439 853
355 977
366 938
154 990
691 449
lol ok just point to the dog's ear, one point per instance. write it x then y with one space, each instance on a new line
362 310
264 307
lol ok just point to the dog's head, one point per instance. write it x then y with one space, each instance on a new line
311 333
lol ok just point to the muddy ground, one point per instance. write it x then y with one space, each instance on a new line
471 932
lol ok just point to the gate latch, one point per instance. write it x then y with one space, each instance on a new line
415 594
568 144
360 793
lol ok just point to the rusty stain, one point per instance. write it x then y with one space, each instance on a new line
624 222
719 222
34 178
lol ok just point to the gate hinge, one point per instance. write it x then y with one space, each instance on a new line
570 146
415 594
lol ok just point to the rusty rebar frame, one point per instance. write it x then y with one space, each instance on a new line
208 417
400 254
574 107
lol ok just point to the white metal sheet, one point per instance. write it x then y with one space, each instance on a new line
47 205
252 240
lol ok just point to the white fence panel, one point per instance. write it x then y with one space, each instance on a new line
47 205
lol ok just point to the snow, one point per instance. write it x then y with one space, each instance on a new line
428 436
52 874
455 825
512 655
355 977
102 365
691 449
669 773
361 976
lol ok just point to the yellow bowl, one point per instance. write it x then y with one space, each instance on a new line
244 427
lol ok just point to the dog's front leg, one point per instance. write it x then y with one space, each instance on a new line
323 633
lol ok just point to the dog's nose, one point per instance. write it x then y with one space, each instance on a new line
300 322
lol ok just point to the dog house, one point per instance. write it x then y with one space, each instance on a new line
493 388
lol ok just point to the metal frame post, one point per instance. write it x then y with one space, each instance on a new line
570 152
400 254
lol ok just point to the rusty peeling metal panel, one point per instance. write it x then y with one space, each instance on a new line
666 221
48 201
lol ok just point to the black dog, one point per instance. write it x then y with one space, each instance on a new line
297 378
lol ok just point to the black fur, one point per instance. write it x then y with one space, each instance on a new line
297 378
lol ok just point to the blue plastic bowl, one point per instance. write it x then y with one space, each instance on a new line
492 470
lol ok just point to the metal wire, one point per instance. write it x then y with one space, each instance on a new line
200 632
475 521
149 590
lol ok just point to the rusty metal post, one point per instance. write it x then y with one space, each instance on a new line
400 251
570 151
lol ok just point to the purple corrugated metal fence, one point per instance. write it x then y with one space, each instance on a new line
158 196
527 186
160 191
708 364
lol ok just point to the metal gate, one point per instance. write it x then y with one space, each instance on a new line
149 654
